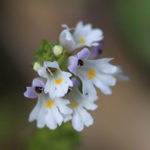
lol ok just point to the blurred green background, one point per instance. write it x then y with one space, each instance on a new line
122 120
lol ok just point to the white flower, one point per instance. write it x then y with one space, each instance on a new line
79 104
58 81
95 72
99 73
83 35
49 112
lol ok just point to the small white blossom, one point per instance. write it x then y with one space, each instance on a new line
95 72
80 104
83 35
49 112
58 82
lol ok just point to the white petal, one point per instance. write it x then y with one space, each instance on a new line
42 72
120 74
41 118
106 79
104 66
67 118
86 117
62 105
78 30
89 105
77 122
57 115
67 40
53 64
95 36
48 87
88 88
33 115
102 86
50 121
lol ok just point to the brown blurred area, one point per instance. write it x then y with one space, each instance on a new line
122 120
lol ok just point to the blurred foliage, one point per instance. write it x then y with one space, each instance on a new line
63 138
134 20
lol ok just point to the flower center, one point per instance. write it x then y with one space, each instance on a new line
80 62
49 103
82 40
51 70
69 90
38 89
74 104
91 74
58 81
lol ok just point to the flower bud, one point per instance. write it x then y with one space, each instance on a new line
36 66
57 50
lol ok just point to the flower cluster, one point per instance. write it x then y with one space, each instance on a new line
69 71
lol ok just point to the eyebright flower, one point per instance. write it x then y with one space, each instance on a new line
58 82
49 111
83 35
80 104
65 89
93 72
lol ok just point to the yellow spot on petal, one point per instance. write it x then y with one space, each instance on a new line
49 103
74 104
82 40
58 81
91 74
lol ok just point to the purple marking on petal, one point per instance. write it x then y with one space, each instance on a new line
38 82
83 54
76 83
30 92
73 64
96 51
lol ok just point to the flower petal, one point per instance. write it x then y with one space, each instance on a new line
75 82
30 92
50 120
38 82
62 105
83 54
67 40
73 63
86 117
103 87
57 115
77 122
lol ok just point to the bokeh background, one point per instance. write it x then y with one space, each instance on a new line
122 121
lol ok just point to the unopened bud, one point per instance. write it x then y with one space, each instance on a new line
36 66
57 50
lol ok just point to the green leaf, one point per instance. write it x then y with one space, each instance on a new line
44 53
